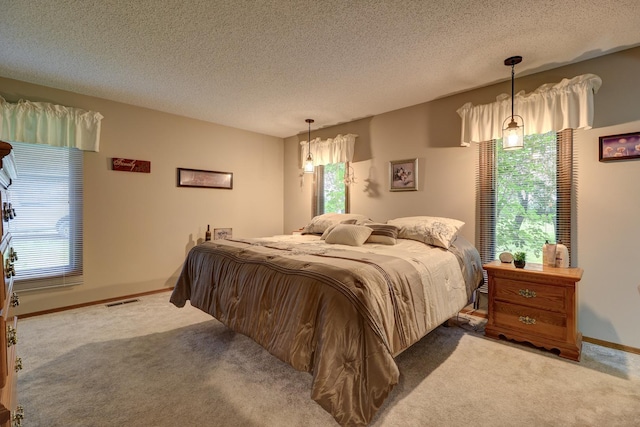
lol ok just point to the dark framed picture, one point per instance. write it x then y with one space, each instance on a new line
403 175
625 146
222 233
203 178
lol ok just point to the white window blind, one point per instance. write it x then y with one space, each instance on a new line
47 229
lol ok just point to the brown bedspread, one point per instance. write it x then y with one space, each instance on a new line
340 314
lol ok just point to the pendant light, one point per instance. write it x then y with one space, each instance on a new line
513 133
308 164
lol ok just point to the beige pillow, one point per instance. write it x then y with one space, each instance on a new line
348 234
383 233
435 231
331 227
320 223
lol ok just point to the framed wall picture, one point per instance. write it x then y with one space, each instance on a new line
403 175
625 146
203 178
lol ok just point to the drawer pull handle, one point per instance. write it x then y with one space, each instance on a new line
527 320
8 212
18 416
15 300
7 268
12 336
527 293
18 365
13 255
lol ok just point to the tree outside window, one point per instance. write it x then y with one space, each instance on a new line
526 196
332 195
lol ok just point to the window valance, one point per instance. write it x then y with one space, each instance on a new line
551 107
331 150
50 124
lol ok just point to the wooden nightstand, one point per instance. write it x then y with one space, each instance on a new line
537 304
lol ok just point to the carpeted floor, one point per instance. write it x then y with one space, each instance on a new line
149 363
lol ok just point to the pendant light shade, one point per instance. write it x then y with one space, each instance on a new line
513 132
308 163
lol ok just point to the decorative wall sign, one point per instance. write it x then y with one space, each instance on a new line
620 147
403 175
202 178
222 233
130 165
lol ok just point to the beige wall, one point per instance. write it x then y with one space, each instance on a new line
608 233
138 227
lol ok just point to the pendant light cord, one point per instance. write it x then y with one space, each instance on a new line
512 88
512 61
309 137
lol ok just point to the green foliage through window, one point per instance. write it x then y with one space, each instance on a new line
526 196
331 191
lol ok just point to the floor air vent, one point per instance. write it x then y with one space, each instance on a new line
129 301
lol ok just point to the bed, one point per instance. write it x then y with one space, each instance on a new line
340 300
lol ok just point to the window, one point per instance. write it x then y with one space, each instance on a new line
331 194
47 229
525 196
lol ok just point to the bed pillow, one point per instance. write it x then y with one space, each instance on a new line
331 227
435 231
384 234
349 234
320 223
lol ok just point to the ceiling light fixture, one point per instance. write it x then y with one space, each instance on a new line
513 133
308 164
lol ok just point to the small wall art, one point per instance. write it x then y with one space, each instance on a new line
403 175
620 147
205 179
130 165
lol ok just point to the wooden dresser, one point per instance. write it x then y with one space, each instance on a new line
11 414
537 304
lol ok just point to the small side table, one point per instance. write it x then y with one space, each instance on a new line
537 304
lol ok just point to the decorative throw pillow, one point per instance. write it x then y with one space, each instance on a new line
331 227
435 231
383 233
320 223
348 234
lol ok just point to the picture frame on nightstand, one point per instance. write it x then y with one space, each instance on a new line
222 233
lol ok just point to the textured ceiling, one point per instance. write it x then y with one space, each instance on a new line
265 66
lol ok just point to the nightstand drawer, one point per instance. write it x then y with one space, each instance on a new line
530 320
546 297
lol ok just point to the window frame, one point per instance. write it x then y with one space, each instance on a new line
566 206
71 273
318 191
